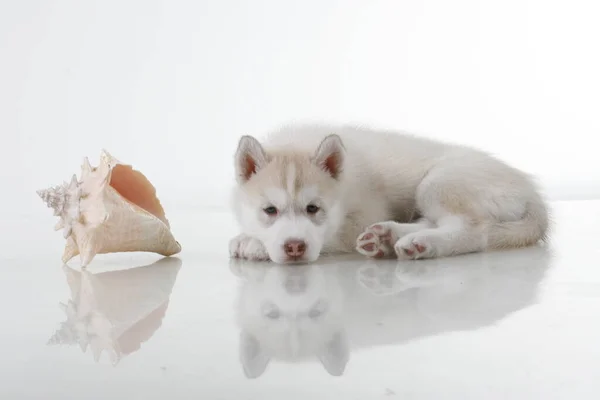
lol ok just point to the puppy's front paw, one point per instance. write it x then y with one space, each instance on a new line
247 248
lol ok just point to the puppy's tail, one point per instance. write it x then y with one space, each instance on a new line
527 231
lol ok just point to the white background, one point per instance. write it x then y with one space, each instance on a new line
169 86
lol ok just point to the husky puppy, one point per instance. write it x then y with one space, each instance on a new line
313 189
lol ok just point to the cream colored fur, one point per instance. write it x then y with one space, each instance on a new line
381 193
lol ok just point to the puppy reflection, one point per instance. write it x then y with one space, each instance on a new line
116 311
322 311
292 314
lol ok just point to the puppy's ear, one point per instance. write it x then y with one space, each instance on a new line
249 158
253 358
330 155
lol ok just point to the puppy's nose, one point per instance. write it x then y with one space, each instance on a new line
295 248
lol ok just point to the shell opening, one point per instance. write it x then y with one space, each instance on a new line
137 189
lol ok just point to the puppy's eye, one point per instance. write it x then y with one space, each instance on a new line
270 210
312 209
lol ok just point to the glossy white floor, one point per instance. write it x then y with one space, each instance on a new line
522 324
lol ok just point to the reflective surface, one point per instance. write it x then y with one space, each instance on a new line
520 324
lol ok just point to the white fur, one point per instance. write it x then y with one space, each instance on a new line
465 200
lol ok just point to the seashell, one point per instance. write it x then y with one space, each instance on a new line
112 208
115 312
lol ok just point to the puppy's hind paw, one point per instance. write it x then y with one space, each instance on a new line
376 241
414 247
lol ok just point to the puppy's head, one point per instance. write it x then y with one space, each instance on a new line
289 200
